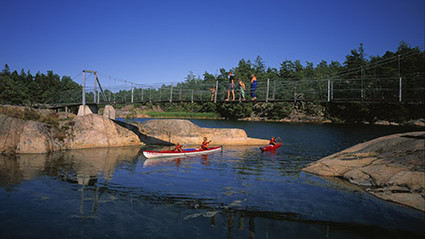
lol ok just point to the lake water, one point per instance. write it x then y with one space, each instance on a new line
237 193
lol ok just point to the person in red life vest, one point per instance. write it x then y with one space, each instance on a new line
205 144
178 148
272 141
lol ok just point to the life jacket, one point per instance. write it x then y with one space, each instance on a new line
204 145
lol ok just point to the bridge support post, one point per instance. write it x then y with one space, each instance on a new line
132 94
171 92
109 112
329 90
192 97
95 89
142 93
267 90
216 91
84 88
399 90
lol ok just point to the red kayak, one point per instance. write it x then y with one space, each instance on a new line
185 152
270 147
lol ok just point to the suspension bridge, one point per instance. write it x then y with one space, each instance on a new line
98 88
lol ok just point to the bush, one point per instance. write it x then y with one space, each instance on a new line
234 111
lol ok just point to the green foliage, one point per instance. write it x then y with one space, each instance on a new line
24 88
234 110
185 115
273 111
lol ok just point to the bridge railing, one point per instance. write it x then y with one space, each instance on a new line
407 89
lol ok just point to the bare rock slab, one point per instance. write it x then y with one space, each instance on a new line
26 136
184 131
96 131
390 167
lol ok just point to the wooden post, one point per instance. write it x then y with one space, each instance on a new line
171 92
267 91
192 97
142 93
132 93
216 91
399 90
329 90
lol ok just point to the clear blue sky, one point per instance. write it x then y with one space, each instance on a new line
161 41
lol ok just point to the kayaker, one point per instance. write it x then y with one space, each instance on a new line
205 144
178 148
273 141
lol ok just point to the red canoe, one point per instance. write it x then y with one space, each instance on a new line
270 147
168 153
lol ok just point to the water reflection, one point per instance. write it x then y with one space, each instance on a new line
80 166
237 193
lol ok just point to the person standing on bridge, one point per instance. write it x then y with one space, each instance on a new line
241 89
231 87
253 86
212 89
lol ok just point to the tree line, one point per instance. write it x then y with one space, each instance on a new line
26 89
409 62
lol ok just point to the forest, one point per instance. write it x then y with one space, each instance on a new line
377 76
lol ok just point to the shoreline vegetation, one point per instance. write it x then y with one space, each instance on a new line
392 107
351 113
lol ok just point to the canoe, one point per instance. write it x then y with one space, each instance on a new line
186 152
270 147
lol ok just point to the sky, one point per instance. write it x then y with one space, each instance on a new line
156 41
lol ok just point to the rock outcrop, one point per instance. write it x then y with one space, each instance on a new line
96 131
184 131
88 131
390 167
26 136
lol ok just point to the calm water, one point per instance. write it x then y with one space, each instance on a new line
237 193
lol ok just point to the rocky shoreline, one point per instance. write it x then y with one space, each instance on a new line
24 131
301 118
390 167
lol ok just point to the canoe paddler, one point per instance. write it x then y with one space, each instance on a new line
272 141
205 144
178 148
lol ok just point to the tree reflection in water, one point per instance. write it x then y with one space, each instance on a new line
194 192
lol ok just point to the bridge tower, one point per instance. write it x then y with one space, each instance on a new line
84 109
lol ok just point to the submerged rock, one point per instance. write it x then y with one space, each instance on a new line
390 167
184 131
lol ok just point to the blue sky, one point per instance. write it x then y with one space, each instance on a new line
161 41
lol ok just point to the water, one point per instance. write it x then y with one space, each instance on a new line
237 193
